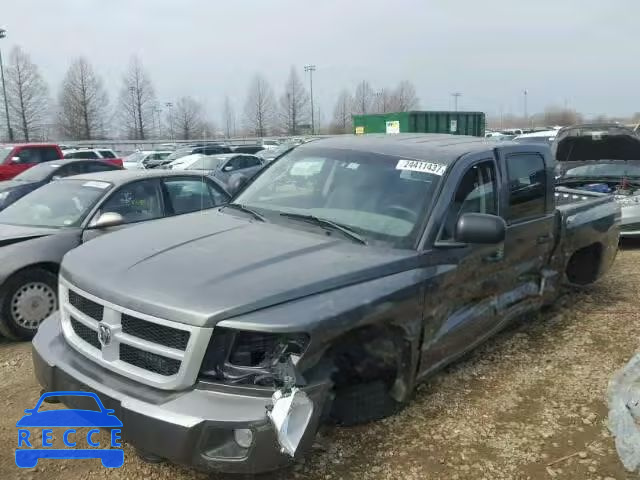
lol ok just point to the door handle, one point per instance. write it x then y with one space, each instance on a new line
544 239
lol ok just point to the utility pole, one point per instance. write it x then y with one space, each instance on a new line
526 108
311 69
3 34
169 105
456 96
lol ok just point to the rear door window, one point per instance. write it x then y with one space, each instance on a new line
527 187
107 154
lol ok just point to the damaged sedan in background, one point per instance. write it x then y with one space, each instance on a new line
595 160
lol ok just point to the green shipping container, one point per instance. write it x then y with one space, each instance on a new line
456 123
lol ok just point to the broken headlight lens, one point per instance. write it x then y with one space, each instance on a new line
242 357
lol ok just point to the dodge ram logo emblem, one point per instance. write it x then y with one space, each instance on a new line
104 334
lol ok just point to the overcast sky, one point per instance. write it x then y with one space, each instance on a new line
582 52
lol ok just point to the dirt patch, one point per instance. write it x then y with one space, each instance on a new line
532 396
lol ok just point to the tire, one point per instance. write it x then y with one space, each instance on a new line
363 403
27 298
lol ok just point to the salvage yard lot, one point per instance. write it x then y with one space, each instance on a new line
529 397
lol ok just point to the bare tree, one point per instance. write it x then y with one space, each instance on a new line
404 97
363 98
27 94
137 102
383 101
83 103
561 116
229 118
187 118
342 112
259 108
293 104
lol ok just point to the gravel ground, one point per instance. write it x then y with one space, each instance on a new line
529 404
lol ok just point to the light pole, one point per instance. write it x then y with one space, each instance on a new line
456 96
3 34
311 69
526 109
169 105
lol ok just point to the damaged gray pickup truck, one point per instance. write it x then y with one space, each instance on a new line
338 278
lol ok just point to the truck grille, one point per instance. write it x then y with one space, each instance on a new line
85 333
167 336
86 306
149 361
147 349
630 227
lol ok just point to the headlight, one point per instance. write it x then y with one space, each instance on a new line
247 357
628 200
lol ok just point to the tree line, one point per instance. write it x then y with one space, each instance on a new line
82 109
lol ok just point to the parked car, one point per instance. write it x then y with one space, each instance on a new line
204 150
183 163
40 228
45 172
341 276
270 154
251 149
545 136
224 166
91 153
145 159
602 159
15 159
270 144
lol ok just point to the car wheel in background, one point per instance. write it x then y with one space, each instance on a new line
26 300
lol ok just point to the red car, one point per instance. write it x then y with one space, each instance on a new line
16 158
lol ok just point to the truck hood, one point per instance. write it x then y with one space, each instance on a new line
10 234
596 142
202 268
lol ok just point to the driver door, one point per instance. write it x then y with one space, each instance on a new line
463 312
137 202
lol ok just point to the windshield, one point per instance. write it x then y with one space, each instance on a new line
179 154
58 204
4 153
135 157
605 170
380 197
205 163
37 173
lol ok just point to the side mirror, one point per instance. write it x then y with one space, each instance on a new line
236 182
480 228
107 219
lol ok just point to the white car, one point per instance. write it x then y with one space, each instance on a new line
544 136
183 163
91 153
145 159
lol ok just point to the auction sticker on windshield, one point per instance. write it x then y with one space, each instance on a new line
419 166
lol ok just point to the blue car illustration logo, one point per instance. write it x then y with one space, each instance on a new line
28 452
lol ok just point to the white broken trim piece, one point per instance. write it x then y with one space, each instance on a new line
290 417
623 396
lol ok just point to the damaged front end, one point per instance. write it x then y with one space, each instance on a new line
270 361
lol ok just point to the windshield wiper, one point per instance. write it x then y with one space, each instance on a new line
242 208
323 222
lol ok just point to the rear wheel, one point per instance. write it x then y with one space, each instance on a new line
27 299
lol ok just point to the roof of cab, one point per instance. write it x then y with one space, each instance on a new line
119 177
428 146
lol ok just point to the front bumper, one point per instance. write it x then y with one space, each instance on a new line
630 222
192 427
